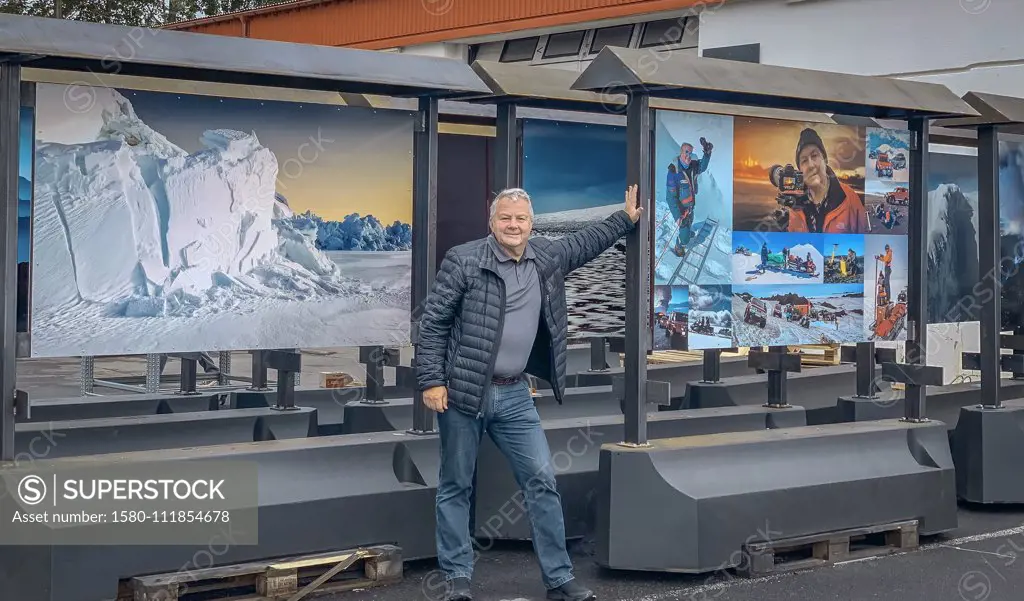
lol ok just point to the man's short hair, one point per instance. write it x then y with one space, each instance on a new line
511 194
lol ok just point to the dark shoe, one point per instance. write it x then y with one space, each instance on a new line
571 591
458 590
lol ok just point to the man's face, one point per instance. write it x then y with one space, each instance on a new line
685 154
812 164
512 224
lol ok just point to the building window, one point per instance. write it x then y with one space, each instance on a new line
617 37
562 45
664 33
519 50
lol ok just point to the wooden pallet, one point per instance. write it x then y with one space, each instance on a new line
288 579
805 552
818 354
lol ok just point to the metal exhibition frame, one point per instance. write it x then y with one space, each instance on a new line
643 76
515 86
998 114
96 50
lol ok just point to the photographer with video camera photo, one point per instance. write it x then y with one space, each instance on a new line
811 196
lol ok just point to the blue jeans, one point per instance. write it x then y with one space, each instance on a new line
514 426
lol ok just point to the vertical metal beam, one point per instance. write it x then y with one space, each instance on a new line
866 370
506 150
989 263
10 128
917 303
639 167
712 371
424 234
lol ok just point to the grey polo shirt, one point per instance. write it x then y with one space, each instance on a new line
522 309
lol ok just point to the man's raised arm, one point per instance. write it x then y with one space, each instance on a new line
584 246
436 322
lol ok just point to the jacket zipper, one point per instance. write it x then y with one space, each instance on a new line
485 406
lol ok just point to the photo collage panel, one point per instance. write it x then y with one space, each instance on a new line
771 232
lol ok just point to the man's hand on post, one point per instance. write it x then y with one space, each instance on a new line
632 208
436 398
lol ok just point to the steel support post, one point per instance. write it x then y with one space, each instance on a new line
917 306
507 150
224 367
259 371
866 370
188 376
989 264
424 235
10 127
777 380
152 373
598 354
639 165
712 365
86 376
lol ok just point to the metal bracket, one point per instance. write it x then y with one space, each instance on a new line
912 374
657 392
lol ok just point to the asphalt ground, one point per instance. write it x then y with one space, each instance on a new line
975 562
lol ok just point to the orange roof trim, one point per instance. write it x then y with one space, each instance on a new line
380 24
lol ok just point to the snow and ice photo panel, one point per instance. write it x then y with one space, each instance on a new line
776 258
167 222
885 285
710 318
693 192
1011 220
952 247
25 143
787 314
786 170
575 174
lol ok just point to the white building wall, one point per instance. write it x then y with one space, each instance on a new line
964 44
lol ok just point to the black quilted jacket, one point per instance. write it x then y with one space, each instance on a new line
463 314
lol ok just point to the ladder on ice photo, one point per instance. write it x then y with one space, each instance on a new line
691 265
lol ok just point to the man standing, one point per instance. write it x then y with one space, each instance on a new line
886 260
681 190
497 311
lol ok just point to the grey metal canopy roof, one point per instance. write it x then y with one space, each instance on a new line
1007 112
97 48
733 82
551 88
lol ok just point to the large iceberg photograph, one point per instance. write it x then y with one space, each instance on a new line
167 222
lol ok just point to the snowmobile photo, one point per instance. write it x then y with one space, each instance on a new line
703 326
743 251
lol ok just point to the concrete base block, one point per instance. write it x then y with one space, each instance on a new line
122 405
51 440
315 495
814 389
987 448
396 415
575 449
729 490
